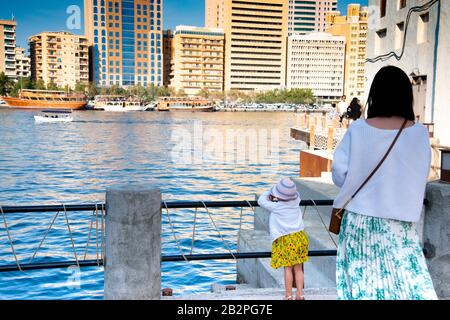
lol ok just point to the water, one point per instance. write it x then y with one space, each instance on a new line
74 163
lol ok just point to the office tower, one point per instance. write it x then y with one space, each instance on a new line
255 42
309 16
127 38
316 62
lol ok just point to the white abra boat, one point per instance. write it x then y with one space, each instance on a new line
54 116
116 103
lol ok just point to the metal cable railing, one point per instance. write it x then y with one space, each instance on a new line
99 261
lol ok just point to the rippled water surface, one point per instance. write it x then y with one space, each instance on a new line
190 156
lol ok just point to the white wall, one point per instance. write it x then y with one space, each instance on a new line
442 90
417 56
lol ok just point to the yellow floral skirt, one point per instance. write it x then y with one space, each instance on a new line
290 250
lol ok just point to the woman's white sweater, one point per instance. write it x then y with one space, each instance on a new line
397 190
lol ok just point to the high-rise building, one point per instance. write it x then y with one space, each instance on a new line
127 37
354 28
309 16
7 46
214 13
23 63
59 58
255 41
198 59
167 57
316 62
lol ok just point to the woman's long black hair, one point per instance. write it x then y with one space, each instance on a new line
391 95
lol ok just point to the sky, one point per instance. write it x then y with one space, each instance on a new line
35 16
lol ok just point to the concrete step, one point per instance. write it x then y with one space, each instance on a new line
245 293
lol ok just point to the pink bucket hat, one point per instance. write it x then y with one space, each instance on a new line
285 190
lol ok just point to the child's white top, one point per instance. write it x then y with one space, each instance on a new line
285 217
397 190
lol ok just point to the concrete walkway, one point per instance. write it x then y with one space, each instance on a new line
245 292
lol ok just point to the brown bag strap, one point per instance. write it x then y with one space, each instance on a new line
381 162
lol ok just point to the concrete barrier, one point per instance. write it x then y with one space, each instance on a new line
133 243
436 235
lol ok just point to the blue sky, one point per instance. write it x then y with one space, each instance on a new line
34 16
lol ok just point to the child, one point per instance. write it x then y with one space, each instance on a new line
289 241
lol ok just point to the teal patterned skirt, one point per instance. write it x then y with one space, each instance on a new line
381 259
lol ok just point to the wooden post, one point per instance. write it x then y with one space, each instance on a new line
330 141
312 132
323 122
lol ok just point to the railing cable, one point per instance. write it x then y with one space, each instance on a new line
71 238
103 232
96 235
45 236
218 231
193 231
173 232
325 226
10 239
89 234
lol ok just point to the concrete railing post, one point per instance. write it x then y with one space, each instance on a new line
436 236
133 243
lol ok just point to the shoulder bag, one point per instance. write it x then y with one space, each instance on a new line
337 214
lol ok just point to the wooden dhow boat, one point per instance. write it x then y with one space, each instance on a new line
47 99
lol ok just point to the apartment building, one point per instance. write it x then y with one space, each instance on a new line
354 28
23 63
7 46
419 46
60 58
255 36
309 16
316 61
198 59
127 38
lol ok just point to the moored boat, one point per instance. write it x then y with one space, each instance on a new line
54 116
46 99
119 104
185 104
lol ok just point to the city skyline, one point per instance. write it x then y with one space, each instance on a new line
34 17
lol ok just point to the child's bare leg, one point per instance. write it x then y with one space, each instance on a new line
299 281
288 280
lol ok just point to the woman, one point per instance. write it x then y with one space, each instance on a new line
354 110
379 254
